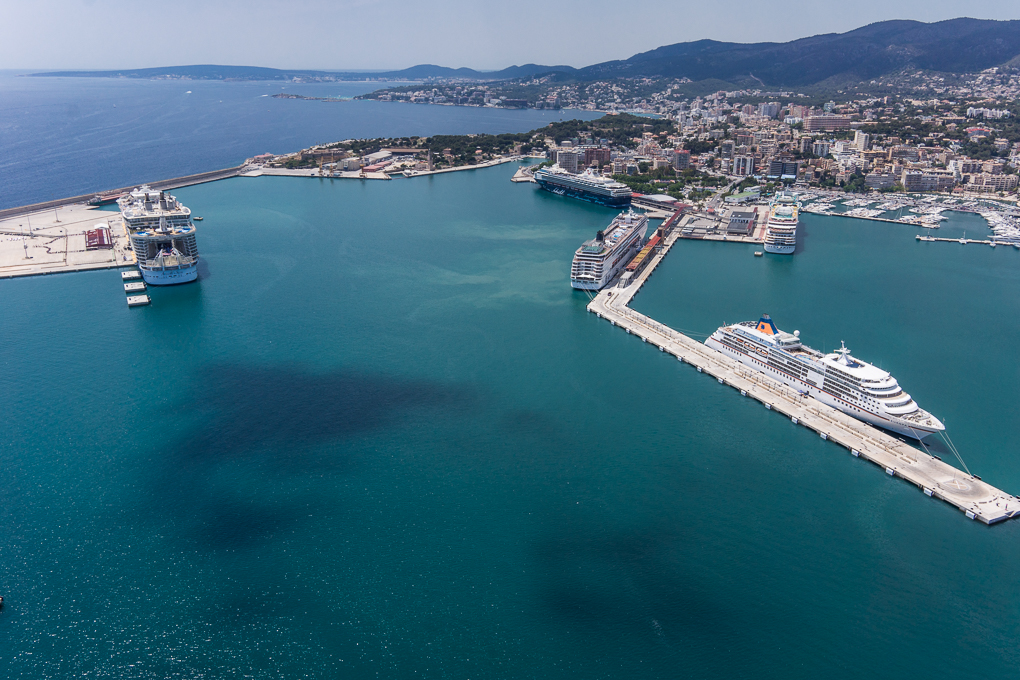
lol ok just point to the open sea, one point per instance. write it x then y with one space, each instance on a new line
381 437
70 136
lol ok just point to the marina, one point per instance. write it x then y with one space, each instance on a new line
977 499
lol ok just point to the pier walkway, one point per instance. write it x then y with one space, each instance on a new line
935 478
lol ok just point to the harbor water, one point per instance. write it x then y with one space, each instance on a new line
381 437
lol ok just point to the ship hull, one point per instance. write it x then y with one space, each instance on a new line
611 201
779 250
169 276
913 431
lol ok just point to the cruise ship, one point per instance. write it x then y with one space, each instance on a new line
588 186
597 261
781 231
855 387
162 236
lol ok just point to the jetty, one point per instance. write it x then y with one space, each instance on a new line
968 493
961 241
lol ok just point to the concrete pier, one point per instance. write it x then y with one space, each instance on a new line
53 240
935 478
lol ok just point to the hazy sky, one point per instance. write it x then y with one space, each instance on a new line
367 34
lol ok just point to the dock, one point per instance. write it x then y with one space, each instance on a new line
134 287
55 240
961 241
968 493
138 300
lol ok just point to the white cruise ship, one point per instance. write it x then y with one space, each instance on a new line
597 261
853 386
587 186
162 236
781 231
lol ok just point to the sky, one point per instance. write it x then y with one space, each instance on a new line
393 34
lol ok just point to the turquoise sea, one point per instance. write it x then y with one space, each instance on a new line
381 437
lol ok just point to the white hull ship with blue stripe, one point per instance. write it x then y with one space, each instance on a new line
597 261
162 236
587 186
855 387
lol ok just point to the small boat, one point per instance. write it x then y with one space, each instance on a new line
758 253
198 219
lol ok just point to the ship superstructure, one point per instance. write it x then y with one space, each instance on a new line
162 236
588 186
855 387
598 260
781 229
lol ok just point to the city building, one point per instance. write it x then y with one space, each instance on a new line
915 180
881 180
681 159
826 122
743 165
599 155
741 221
778 168
570 159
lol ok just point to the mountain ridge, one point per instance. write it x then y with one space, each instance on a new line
961 45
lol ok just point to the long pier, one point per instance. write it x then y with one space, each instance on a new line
968 493
160 185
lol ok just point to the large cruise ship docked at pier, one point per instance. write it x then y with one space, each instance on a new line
587 186
162 236
781 229
597 261
855 387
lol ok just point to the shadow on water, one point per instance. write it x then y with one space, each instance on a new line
259 434
597 577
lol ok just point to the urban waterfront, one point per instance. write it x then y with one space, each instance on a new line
381 435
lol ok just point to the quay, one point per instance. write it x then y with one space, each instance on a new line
961 241
975 498
55 240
